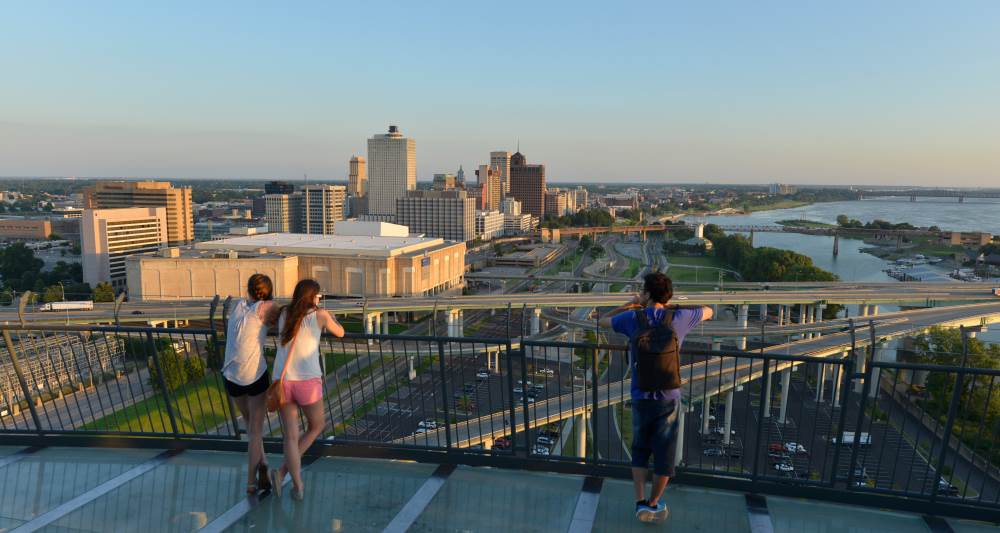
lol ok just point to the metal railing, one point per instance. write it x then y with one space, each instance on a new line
855 428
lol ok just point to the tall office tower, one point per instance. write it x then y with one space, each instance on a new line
447 214
282 212
460 176
582 197
278 187
120 194
322 206
511 206
500 162
392 171
527 185
108 236
443 182
357 177
555 202
489 180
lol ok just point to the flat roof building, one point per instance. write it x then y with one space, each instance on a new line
121 194
447 214
24 229
392 171
109 236
527 185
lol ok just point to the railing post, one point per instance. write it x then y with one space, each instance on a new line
20 379
510 386
524 397
444 395
765 387
956 397
220 351
151 347
593 410
865 390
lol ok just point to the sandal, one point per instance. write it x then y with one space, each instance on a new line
251 489
263 477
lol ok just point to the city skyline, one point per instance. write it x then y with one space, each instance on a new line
888 94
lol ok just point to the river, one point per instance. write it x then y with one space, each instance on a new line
852 264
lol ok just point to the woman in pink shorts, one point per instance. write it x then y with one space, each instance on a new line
300 327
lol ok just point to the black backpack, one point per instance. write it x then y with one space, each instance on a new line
657 354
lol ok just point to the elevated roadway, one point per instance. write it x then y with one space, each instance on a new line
713 377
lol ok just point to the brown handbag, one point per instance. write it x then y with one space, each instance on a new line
275 395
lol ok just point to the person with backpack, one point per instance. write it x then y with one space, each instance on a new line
656 332
300 328
244 370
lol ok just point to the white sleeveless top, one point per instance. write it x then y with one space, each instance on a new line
305 356
245 336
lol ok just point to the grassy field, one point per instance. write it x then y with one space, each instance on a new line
353 325
198 407
783 204
687 273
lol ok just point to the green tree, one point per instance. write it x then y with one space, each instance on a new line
174 369
53 293
103 292
194 368
19 267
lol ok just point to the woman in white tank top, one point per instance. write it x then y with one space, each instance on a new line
300 328
244 371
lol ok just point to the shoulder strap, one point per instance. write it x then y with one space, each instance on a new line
640 317
288 358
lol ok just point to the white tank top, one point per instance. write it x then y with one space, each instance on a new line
245 336
305 356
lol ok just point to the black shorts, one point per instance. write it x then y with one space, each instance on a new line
254 389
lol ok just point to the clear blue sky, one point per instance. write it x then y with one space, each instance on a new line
882 91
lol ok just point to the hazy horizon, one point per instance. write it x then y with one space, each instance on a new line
889 93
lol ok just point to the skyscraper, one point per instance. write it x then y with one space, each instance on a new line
108 236
357 177
322 206
392 171
443 182
500 162
282 212
120 194
460 175
492 187
527 185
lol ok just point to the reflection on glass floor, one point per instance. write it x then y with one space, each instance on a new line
94 489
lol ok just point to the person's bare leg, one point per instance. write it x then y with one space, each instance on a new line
639 482
659 486
243 405
255 429
314 425
293 458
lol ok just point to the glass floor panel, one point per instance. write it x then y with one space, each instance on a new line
50 477
799 515
969 526
7 450
491 499
182 494
341 495
691 509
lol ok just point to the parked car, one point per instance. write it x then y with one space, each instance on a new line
518 390
794 447
541 450
775 447
714 452
735 453
501 443
779 457
544 441
946 488
430 423
784 467
482 374
469 388
547 372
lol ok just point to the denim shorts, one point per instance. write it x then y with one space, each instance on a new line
654 433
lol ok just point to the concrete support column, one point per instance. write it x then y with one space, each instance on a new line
873 386
716 344
581 435
873 310
728 428
384 322
412 371
536 321
763 311
377 323
454 323
862 309
802 319
818 316
741 320
820 383
781 315
368 326
679 453
461 323
837 377
706 408
767 391
786 381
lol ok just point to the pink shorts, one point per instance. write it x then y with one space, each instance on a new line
304 392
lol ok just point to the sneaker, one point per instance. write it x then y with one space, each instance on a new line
644 512
661 513
276 482
298 495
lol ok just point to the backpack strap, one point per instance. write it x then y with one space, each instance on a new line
668 316
640 317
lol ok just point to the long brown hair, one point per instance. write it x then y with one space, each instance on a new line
301 304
